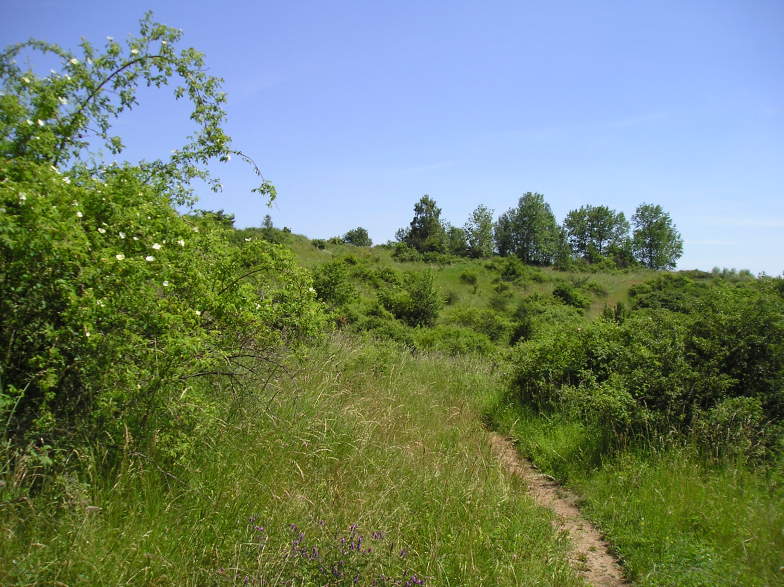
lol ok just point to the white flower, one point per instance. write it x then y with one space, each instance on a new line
247 240
198 312
181 242
134 51
22 197
101 230
40 122
165 284
87 333
136 238
29 122
149 258
79 214
119 256
74 61
122 234
311 290
26 80
156 246
66 179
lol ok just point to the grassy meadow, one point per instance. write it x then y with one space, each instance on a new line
373 458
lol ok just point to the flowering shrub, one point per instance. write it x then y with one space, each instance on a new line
114 305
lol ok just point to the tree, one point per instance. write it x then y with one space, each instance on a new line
358 237
656 242
425 233
529 231
479 232
456 240
593 230
57 118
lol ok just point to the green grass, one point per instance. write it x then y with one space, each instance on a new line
672 518
447 276
358 434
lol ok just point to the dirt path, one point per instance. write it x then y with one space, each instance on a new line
590 556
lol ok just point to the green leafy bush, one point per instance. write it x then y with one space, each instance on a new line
113 303
483 320
114 306
716 371
332 283
572 296
453 340
416 302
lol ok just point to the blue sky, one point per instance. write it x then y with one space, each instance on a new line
356 109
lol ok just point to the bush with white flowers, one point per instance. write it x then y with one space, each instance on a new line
115 307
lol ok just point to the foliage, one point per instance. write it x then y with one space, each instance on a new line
529 231
656 242
332 284
426 232
53 120
358 237
454 340
571 295
658 370
479 232
456 240
593 231
405 253
483 320
113 304
416 302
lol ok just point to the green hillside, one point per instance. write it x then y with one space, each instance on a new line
186 403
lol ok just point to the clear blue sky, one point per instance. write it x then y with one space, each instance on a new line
356 109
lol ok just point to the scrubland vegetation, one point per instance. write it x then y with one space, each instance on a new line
184 402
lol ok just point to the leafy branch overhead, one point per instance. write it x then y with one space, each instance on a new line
59 117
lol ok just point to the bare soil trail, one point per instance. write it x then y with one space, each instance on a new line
590 555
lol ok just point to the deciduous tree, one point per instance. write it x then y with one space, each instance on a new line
479 232
656 242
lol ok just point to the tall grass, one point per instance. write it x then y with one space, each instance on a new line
673 517
359 440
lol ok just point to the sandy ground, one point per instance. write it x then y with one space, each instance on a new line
590 554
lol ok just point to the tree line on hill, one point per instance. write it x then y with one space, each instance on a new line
529 231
